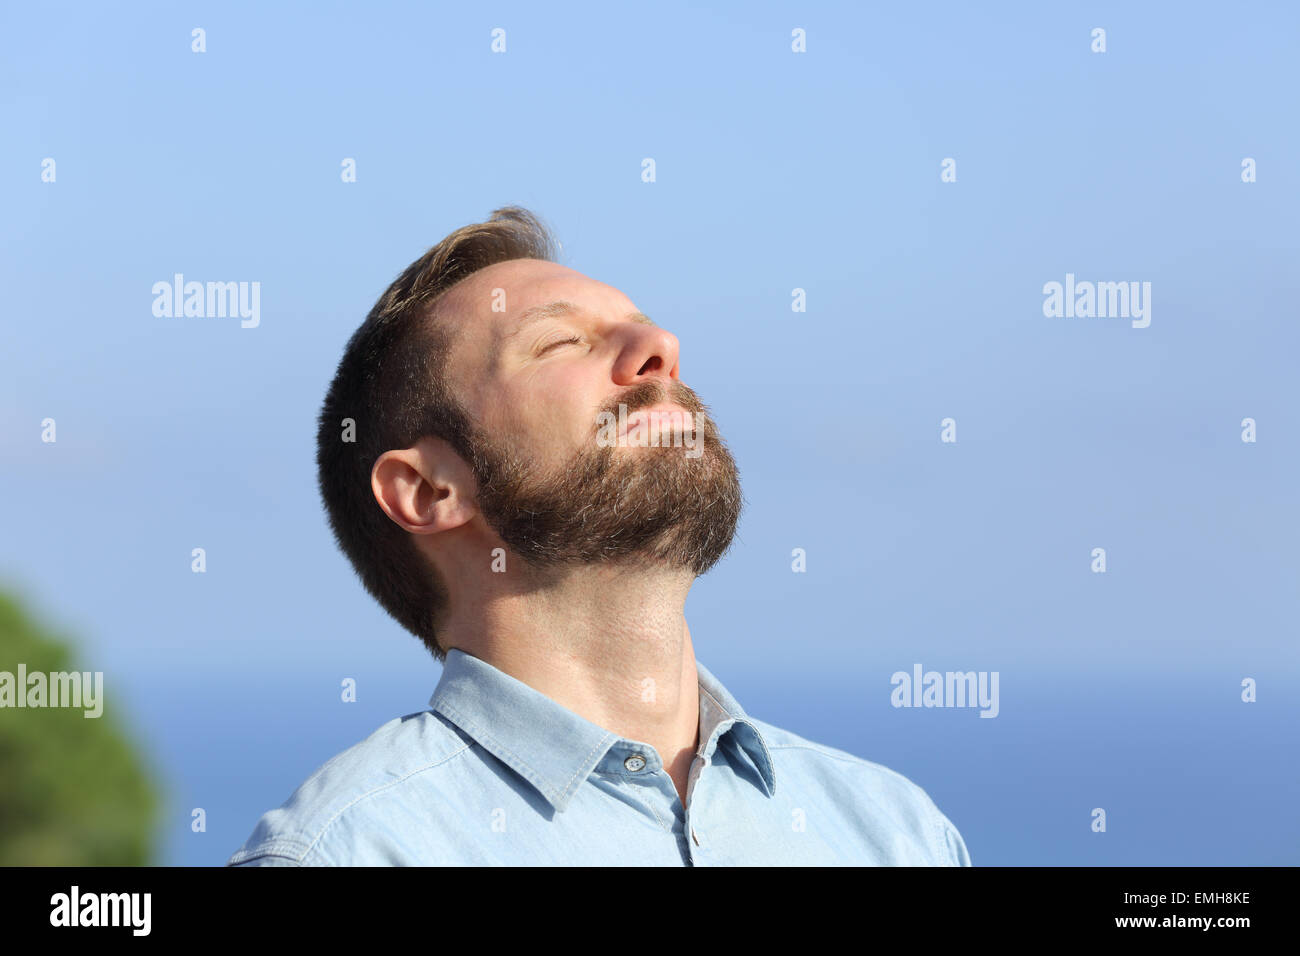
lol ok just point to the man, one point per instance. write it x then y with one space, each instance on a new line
511 462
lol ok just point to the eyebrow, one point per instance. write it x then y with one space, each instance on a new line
553 310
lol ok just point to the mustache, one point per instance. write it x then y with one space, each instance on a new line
653 393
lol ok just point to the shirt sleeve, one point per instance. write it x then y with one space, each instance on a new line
268 859
954 845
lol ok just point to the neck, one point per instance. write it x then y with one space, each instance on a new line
610 643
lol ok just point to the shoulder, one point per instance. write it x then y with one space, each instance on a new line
362 781
889 799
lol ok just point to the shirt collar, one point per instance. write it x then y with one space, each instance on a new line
553 748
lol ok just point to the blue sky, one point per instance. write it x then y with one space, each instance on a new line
774 171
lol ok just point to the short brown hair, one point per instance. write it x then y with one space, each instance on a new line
391 384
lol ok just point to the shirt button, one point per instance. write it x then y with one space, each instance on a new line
634 763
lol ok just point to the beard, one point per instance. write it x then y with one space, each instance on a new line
651 505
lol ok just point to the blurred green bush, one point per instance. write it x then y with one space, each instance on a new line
73 790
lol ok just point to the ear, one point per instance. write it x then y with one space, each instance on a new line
426 488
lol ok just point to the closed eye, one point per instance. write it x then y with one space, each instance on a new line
569 341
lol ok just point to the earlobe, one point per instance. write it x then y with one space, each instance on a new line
422 488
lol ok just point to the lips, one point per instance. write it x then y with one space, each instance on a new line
665 412
662 416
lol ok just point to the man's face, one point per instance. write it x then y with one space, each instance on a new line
560 483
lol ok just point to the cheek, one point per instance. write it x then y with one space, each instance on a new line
554 415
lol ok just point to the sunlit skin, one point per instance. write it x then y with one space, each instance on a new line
591 637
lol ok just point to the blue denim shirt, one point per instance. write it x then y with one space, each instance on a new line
497 773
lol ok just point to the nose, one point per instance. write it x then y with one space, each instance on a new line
648 352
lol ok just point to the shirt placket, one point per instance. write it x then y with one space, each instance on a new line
638 764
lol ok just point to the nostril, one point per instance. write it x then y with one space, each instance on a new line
653 364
